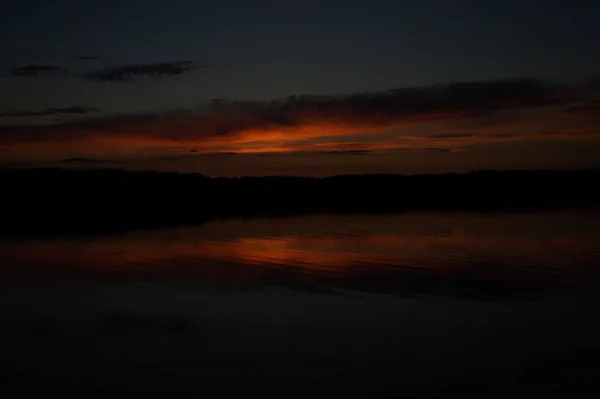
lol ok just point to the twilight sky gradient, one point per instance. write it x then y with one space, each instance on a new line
300 88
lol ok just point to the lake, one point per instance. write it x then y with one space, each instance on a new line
421 304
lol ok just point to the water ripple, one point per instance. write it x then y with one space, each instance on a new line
387 252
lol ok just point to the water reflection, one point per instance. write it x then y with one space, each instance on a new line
242 304
483 256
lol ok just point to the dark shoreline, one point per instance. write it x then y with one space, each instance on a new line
47 202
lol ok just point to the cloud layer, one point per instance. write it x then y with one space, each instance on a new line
446 118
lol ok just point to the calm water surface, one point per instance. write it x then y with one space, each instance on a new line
404 304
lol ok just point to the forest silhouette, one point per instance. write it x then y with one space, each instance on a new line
62 201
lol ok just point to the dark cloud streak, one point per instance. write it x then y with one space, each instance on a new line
212 154
130 72
29 71
349 152
87 58
74 110
449 135
583 110
121 73
85 160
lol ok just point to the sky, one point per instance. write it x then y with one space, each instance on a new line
300 88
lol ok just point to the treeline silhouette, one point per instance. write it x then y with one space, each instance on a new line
61 201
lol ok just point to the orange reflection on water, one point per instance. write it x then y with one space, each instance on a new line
444 254
332 253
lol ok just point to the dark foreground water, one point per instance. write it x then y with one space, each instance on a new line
424 304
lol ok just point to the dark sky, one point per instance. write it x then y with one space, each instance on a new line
132 79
